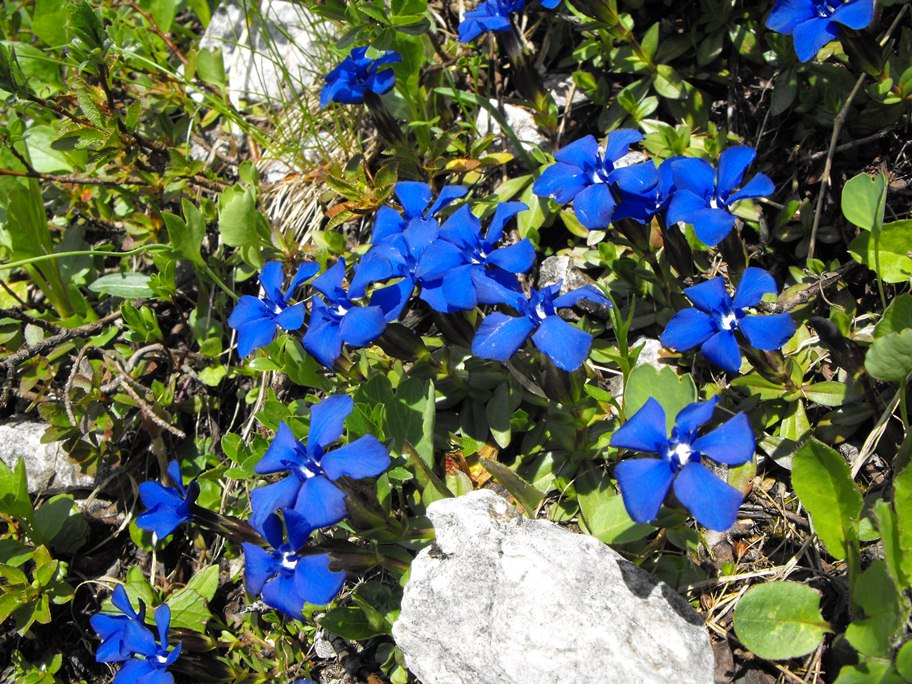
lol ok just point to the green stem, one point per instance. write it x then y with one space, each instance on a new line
86 252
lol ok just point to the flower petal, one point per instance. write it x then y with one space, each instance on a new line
413 197
787 14
458 288
687 329
856 15
327 420
517 258
733 162
712 502
712 225
365 457
264 501
754 283
758 186
722 350
692 416
502 215
710 296
291 318
315 582
768 332
731 443
644 431
813 35
282 450
589 293
594 206
362 325
447 195
320 502
618 143
271 279
644 484
561 182
280 594
329 283
566 345
580 153
387 222
323 340
695 175
684 205
499 336
437 262
393 299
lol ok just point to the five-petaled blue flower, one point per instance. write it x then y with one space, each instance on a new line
335 319
349 81
712 324
257 320
645 482
704 198
399 242
583 175
814 23
446 271
167 507
500 336
285 578
490 15
309 489
125 636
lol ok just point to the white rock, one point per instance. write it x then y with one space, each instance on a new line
268 51
49 469
500 598
519 119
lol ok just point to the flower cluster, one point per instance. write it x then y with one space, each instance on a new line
357 75
167 508
814 23
451 266
684 189
645 482
493 16
123 637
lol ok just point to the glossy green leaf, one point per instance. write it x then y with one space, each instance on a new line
890 357
780 620
189 606
126 285
887 252
896 318
864 199
525 494
823 483
885 611
672 391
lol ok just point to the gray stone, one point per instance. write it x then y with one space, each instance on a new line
560 269
268 50
650 355
499 598
520 120
50 471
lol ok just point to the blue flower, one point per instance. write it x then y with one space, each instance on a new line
583 175
285 578
399 241
336 319
167 507
448 270
704 198
490 15
651 197
645 482
814 23
500 336
125 636
349 81
257 320
309 489
712 324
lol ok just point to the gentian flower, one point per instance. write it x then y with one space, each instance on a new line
126 636
399 242
349 81
167 507
712 324
446 271
500 336
284 578
652 197
490 15
337 319
583 175
645 482
257 320
309 489
814 23
704 198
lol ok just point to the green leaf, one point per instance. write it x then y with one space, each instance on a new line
902 504
187 237
237 217
864 199
603 513
410 412
14 498
885 611
126 285
780 620
49 19
890 357
829 393
904 661
498 411
824 485
887 252
527 496
896 318
871 671
668 83
41 71
350 622
889 535
673 392
189 607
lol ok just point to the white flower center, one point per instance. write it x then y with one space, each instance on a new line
680 453
289 561
729 321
